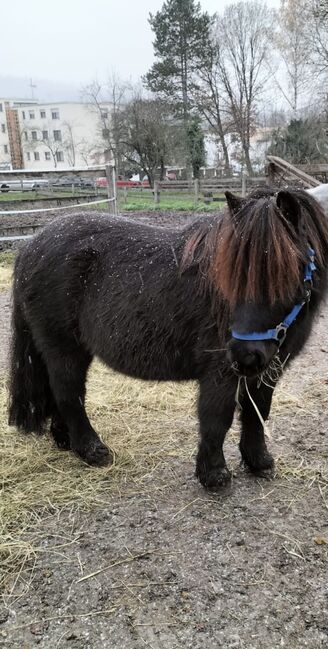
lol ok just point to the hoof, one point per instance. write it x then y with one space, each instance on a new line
261 465
96 454
213 479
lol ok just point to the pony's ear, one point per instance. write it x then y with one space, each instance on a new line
289 207
234 202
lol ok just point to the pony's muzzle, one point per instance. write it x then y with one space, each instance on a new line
247 359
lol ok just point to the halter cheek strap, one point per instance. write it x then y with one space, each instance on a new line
280 331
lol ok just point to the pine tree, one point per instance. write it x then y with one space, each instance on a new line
181 32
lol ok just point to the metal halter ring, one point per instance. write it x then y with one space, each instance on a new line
281 333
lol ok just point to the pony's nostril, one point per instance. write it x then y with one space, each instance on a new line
251 359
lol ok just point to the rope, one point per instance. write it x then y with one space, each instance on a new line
55 209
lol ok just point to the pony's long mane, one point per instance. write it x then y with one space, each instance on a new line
257 254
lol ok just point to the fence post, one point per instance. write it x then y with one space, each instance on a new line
111 189
156 192
196 189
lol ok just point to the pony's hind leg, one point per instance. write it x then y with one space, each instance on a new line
252 442
67 375
216 408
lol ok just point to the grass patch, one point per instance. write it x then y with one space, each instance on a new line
133 201
175 201
178 206
8 197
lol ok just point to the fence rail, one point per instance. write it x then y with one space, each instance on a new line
281 170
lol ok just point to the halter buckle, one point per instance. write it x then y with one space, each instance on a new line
281 333
308 285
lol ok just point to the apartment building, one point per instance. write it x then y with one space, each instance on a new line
11 155
47 136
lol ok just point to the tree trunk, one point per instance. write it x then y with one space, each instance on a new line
223 143
162 172
227 169
150 177
247 158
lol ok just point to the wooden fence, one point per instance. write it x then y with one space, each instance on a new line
205 190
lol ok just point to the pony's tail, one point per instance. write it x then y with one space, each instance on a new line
30 395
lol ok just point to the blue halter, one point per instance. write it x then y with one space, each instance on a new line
280 331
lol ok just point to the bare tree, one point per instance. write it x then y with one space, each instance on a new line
36 136
69 143
57 142
243 35
107 102
207 91
294 49
316 19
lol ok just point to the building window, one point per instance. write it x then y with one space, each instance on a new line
5 148
42 114
34 135
57 136
55 114
28 155
31 114
104 114
105 132
47 155
26 135
45 135
36 155
1 109
59 156
3 128
23 114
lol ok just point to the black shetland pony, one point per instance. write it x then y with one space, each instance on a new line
197 304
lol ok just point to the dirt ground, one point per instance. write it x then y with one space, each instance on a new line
176 567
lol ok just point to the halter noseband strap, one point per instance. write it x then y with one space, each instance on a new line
280 331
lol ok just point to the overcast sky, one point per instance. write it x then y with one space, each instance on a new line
75 41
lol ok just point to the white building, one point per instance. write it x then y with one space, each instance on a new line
48 136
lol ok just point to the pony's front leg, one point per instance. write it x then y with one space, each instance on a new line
216 407
252 442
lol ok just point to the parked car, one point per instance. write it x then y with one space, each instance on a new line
23 184
101 183
69 182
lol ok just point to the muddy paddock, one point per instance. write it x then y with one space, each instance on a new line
157 561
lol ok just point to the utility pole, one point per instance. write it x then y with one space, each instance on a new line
32 86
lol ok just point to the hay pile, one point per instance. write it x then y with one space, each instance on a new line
5 278
6 270
145 424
